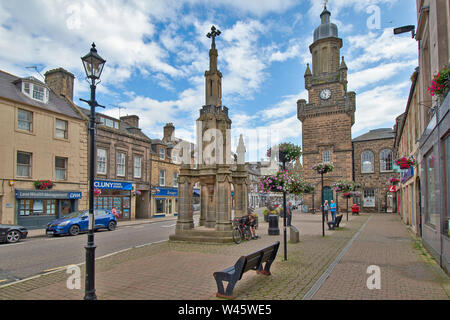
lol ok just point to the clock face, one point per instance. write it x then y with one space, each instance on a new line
325 94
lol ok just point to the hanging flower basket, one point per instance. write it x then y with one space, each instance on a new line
43 184
355 193
405 163
347 195
323 168
287 152
97 192
393 181
275 183
440 83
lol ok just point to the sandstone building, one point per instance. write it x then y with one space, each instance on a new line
329 115
43 138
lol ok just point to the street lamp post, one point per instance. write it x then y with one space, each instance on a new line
93 66
323 210
284 213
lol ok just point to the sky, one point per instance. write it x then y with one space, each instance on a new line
157 53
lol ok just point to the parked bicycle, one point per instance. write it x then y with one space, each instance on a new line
241 230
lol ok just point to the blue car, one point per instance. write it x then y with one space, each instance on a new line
78 221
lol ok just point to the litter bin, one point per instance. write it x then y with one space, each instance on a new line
273 225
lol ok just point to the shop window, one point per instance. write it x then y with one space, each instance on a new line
37 207
431 215
121 164
367 162
24 164
385 160
61 129
160 205
447 185
369 198
60 168
25 120
102 158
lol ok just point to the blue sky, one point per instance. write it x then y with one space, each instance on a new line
157 53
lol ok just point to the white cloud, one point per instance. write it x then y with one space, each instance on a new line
382 71
379 106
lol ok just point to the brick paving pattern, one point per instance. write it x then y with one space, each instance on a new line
404 273
178 271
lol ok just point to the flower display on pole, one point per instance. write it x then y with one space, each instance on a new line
287 152
323 167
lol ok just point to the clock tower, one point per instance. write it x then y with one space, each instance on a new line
329 115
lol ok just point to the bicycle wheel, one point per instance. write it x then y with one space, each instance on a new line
247 234
237 235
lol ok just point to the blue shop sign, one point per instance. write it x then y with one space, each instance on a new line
116 185
47 194
165 191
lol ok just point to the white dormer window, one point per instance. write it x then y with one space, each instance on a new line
35 91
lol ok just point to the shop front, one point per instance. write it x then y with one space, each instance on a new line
165 202
114 194
36 208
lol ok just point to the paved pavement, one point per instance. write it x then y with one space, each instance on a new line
179 270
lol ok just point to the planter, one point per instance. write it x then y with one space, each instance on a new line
43 184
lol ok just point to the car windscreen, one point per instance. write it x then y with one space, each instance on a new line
74 214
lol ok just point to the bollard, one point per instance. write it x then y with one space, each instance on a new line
294 235
273 225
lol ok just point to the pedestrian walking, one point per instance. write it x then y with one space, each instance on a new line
333 211
114 212
289 213
326 208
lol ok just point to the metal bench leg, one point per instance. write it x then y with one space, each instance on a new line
228 293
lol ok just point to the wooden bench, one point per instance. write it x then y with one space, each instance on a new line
337 220
252 261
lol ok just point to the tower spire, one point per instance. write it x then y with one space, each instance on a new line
213 77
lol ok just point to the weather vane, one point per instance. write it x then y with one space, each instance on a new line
213 34
325 3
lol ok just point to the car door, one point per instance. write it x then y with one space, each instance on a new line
84 221
101 218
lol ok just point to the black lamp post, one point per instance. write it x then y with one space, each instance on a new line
93 66
323 209
283 159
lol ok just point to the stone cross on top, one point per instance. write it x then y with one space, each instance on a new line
213 34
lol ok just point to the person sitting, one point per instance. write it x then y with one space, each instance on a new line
252 225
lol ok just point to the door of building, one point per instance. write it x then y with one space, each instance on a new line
327 194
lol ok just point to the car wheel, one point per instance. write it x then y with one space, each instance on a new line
111 226
13 236
74 230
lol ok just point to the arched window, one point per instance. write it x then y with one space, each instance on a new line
386 160
367 161
326 156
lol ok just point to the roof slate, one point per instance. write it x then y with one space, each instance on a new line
10 89
376 134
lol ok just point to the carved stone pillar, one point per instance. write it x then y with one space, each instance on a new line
185 211
240 183
223 198
204 200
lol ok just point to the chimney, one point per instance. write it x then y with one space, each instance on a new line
169 132
61 82
132 120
